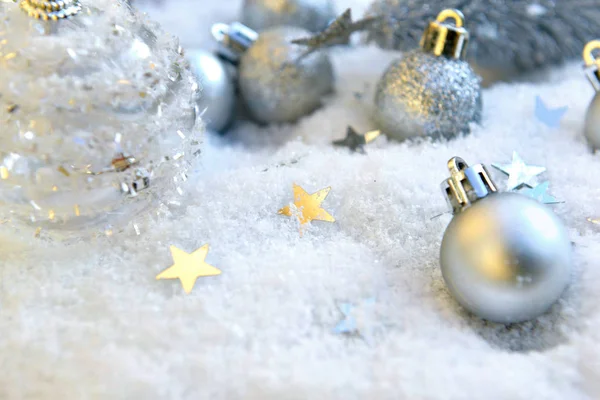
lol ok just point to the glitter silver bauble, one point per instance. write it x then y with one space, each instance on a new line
313 15
505 257
276 84
217 97
592 119
431 91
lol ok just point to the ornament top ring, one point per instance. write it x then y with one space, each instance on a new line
51 9
592 71
441 38
592 64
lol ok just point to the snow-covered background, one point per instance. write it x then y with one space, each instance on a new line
89 320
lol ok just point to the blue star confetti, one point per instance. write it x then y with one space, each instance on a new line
549 117
348 324
540 193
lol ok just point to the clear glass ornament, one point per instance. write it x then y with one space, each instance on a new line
97 118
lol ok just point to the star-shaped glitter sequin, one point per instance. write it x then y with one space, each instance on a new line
540 193
339 30
547 116
348 324
308 206
188 267
519 173
356 142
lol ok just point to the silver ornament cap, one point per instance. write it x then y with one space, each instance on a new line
431 91
592 70
504 257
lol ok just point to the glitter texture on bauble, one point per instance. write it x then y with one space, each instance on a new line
431 91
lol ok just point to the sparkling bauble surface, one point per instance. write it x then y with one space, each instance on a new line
507 258
425 95
97 119
592 123
216 101
275 86
313 15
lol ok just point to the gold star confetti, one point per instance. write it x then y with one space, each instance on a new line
308 206
356 142
188 267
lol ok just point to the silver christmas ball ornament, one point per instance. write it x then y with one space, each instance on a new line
505 257
592 120
275 82
312 15
216 100
431 91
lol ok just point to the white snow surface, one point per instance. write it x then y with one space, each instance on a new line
88 320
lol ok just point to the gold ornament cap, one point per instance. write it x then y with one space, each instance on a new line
592 65
466 184
51 9
443 39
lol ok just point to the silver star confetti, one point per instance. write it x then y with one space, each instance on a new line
356 142
519 173
540 193
338 31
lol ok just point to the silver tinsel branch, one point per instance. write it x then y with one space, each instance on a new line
512 36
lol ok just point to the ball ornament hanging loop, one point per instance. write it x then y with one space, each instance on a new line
504 257
442 39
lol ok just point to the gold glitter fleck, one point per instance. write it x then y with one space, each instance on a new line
143 95
63 171
124 82
12 108
10 56
51 215
37 232
4 173
55 188
152 65
77 211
